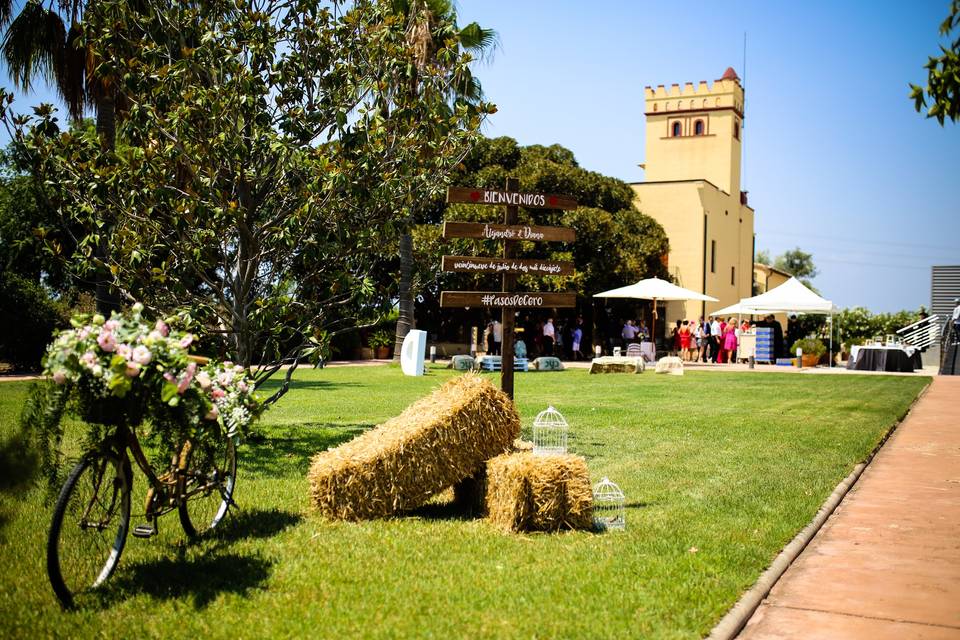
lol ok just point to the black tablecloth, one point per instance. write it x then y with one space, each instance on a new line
885 360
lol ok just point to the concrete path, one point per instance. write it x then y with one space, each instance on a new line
887 562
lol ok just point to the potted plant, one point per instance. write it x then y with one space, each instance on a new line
812 349
380 342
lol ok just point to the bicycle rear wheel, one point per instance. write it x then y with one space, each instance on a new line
207 479
89 527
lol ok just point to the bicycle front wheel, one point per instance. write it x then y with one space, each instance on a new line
89 527
208 473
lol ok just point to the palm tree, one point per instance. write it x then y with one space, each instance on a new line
430 23
45 41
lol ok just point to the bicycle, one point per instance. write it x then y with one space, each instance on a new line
91 518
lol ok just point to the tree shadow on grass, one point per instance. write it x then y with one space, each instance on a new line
200 580
254 523
285 455
306 385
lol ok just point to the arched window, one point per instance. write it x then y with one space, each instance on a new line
654 106
698 128
675 130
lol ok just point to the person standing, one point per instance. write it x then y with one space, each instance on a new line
683 332
715 337
577 337
704 328
730 341
629 333
549 337
956 320
497 336
488 337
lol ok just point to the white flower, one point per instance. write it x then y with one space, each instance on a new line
203 378
124 351
142 355
137 308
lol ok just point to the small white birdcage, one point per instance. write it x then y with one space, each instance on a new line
550 430
608 509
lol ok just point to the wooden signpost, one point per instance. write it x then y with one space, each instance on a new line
510 233
518 266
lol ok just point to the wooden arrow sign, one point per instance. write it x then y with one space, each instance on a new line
469 264
471 195
513 299
507 232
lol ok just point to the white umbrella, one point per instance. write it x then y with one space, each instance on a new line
654 289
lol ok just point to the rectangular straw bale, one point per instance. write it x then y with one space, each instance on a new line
527 492
470 494
397 466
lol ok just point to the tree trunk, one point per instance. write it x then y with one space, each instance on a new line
106 296
406 320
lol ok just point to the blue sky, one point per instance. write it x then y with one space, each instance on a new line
836 160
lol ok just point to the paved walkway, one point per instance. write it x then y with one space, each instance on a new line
887 562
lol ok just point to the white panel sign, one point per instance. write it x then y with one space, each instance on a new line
412 352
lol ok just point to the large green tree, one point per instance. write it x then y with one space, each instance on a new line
797 263
258 178
941 96
616 244
46 40
431 26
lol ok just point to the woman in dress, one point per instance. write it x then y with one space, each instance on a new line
684 333
730 340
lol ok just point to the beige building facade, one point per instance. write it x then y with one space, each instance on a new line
692 188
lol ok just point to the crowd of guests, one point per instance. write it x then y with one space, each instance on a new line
712 340
540 338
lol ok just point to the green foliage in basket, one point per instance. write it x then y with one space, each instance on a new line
125 371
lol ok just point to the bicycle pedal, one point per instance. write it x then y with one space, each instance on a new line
144 531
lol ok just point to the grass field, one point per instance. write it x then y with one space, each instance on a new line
720 470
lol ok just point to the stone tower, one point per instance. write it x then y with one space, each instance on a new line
696 132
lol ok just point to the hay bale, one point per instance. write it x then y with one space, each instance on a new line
671 365
436 442
617 364
539 493
548 363
470 494
461 363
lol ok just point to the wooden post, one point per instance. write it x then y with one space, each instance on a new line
508 314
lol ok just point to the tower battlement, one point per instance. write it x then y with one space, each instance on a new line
725 92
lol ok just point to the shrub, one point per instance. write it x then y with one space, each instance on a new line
28 318
809 346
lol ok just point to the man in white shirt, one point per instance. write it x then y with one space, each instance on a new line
497 337
548 337
715 338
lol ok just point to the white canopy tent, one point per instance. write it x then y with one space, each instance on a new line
654 289
790 297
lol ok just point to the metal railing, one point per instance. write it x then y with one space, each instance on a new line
923 333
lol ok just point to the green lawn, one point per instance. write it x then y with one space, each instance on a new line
719 470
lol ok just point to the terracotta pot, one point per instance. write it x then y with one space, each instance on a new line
810 360
382 353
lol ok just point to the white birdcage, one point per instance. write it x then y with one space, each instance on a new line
608 509
550 430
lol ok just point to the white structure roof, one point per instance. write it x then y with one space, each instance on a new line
654 289
792 295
